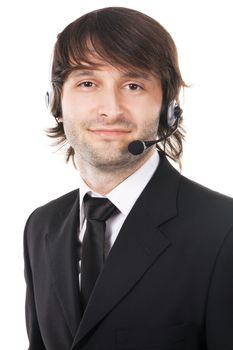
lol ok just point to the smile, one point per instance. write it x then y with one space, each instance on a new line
110 132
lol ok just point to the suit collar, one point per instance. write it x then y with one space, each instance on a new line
138 245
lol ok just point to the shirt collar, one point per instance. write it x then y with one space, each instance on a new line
133 186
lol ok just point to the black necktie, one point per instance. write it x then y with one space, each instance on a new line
97 211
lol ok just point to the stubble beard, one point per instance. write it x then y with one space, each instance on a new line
106 156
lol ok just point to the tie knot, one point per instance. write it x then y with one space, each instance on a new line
98 208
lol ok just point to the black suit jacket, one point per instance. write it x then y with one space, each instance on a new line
167 283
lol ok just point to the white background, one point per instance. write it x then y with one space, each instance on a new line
31 173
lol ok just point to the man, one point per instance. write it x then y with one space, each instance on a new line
162 276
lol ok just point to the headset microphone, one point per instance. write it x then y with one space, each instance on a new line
137 147
174 112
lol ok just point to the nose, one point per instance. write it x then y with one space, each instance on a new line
110 104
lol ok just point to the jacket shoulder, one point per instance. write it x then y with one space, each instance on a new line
199 199
199 189
51 211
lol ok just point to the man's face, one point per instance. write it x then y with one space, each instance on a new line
104 109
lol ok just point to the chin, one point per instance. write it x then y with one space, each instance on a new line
111 160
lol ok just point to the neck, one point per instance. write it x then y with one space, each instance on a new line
102 180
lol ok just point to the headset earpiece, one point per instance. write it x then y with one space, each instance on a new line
173 113
49 99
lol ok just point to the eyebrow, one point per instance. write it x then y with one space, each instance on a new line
127 74
137 75
79 72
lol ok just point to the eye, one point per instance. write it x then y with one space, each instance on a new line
134 86
86 84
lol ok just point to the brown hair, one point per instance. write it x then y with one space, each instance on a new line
125 38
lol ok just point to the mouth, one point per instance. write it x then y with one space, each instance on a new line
109 132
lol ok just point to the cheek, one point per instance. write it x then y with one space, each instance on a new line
74 108
146 113
150 104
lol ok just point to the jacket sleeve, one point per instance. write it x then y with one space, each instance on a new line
33 329
219 312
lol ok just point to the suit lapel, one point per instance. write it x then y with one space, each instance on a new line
63 251
138 245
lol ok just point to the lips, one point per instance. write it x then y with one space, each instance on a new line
114 131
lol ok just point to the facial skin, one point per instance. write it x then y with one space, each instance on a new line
103 110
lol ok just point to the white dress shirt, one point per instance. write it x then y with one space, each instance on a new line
122 196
